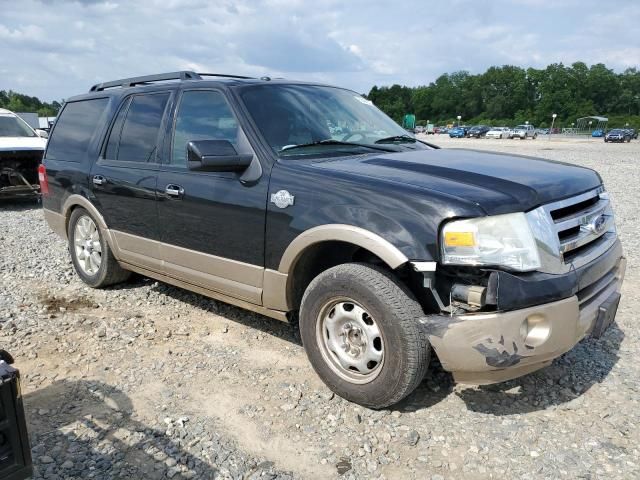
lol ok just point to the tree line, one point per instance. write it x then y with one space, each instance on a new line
509 95
17 102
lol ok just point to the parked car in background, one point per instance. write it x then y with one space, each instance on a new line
543 131
498 132
524 131
457 132
479 131
597 133
617 135
419 129
633 132
21 149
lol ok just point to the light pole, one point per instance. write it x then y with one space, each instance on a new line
553 120
459 117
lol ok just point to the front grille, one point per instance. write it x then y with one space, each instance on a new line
584 226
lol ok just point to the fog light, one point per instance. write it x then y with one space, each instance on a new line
535 330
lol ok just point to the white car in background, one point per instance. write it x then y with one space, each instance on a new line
498 132
21 150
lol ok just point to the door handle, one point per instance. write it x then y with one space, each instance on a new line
174 190
99 180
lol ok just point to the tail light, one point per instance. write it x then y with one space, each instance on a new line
44 180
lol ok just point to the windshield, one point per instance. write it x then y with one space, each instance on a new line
320 119
521 127
12 126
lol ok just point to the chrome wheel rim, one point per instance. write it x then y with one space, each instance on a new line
350 340
88 250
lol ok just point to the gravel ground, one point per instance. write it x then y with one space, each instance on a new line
144 380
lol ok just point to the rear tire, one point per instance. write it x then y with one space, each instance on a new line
360 329
90 253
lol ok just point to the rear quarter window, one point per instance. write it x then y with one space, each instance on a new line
75 127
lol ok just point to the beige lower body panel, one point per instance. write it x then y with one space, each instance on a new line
278 315
56 222
495 347
242 284
227 280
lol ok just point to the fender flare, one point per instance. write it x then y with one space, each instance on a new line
77 200
276 293
377 245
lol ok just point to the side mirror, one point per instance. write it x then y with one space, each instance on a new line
42 133
216 156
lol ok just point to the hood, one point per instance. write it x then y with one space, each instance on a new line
498 183
22 143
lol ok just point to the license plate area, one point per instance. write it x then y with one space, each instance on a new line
606 315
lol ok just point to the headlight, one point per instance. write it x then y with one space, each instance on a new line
500 240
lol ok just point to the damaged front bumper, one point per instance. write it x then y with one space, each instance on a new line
487 348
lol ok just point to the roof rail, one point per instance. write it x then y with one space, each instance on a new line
130 82
223 75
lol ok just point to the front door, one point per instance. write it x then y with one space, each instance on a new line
211 224
124 178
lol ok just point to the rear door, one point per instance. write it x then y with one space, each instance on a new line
124 177
211 223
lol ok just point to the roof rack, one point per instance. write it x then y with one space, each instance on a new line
130 82
223 75
161 77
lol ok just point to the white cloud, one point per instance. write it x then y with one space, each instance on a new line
57 48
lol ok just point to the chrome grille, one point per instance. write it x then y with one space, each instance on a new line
583 229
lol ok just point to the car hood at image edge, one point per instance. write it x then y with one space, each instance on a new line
22 143
499 183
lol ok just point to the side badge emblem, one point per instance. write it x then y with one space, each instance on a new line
282 199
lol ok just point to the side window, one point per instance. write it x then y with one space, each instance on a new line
202 115
114 137
134 135
74 129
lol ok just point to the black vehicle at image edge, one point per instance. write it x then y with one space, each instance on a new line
304 201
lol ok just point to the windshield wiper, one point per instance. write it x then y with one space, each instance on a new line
397 139
330 141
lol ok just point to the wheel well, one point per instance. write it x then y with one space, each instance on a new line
67 216
320 257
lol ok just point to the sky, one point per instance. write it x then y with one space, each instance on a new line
54 49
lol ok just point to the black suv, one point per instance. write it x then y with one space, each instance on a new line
479 131
304 201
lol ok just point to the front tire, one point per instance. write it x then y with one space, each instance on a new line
90 253
360 329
